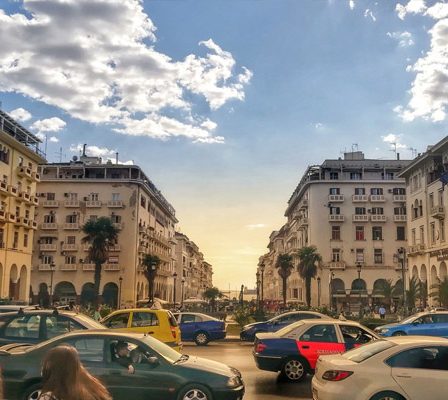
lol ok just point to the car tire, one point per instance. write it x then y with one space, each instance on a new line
387 396
201 338
32 392
194 392
399 333
294 369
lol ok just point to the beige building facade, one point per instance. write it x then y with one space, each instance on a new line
72 193
427 254
353 210
19 159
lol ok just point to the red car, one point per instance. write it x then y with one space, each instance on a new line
294 350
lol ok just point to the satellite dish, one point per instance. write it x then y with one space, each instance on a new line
75 158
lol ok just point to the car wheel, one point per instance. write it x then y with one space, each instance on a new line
294 369
387 396
194 392
399 333
201 338
33 392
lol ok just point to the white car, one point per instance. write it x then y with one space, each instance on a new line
399 368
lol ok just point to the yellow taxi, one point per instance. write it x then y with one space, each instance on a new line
160 324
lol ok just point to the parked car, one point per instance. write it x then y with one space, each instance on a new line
161 373
35 326
160 324
14 307
399 368
200 328
295 349
280 321
424 323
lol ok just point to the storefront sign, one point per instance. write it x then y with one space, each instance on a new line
440 254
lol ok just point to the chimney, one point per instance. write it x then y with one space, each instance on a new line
398 156
116 158
84 149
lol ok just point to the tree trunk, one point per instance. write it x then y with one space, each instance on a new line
96 282
308 290
284 279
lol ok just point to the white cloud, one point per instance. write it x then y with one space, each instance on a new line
438 11
54 139
211 140
394 140
53 124
404 38
351 4
319 125
93 151
412 7
256 226
369 13
20 114
94 59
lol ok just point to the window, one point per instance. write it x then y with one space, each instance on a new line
58 325
115 196
359 233
93 197
360 191
432 228
399 191
51 196
442 230
17 212
143 201
93 217
431 200
320 333
355 175
440 197
335 191
334 176
378 256
25 240
70 260
360 211
359 255
49 219
399 210
336 255
422 235
116 219
70 240
414 237
47 259
335 210
2 238
27 214
140 319
401 233
15 242
117 321
90 349
25 326
190 318
71 219
73 196
362 353
335 232
377 233
377 210
376 191
353 335
389 176
428 357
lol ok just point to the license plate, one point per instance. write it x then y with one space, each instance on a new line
315 396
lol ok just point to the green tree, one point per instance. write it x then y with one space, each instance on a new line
440 292
100 234
150 264
414 292
284 266
307 267
387 290
212 294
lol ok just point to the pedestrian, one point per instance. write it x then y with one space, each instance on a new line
382 312
97 314
64 378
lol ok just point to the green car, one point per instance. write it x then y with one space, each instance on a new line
161 373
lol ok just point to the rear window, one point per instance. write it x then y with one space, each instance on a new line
362 353
288 329
172 319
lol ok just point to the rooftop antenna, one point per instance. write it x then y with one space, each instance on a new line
413 152
355 146
60 154
394 148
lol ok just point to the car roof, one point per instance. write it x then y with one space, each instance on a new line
299 312
25 311
141 309
411 339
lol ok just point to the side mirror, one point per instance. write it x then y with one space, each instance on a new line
153 361
416 323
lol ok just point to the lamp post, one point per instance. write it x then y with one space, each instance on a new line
262 266
318 291
52 268
174 289
182 293
120 281
331 289
402 258
359 268
258 289
153 268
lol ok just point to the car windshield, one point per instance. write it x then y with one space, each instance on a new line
92 324
409 320
164 350
289 328
366 351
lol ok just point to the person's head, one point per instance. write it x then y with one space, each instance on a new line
122 349
64 376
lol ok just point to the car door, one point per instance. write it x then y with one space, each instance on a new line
119 321
55 325
187 326
354 336
25 328
441 321
319 340
146 322
421 372
423 325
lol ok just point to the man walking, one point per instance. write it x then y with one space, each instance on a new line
382 312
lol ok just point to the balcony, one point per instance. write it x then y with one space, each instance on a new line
49 226
304 204
71 226
12 190
118 225
25 172
359 198
22 221
377 198
69 267
33 225
10 217
416 249
336 198
111 267
88 267
399 198
2 216
35 176
399 218
34 200
93 204
50 203
4 189
71 203
162 239
143 249
24 196
45 267
360 218
336 218
69 247
438 212
378 218
115 204
48 247
336 265
117 247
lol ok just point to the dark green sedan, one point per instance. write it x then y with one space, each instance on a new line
161 373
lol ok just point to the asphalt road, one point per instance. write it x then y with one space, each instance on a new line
260 385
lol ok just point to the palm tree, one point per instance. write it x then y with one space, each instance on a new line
100 234
285 267
387 290
307 267
151 264
414 292
440 292
211 294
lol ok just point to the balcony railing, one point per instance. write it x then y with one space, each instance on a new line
417 249
24 196
359 198
50 203
69 247
336 265
378 218
117 247
34 200
377 198
12 190
4 188
71 225
49 226
33 225
336 198
336 218
438 212
118 225
360 218
35 176
71 203
88 267
399 198
45 267
2 215
93 204
303 204
399 218
69 267
111 267
25 172
10 217
115 204
48 247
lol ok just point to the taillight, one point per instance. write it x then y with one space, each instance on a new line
173 332
260 347
335 376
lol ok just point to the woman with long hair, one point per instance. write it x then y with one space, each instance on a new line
64 378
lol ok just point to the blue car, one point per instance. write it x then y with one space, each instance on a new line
424 323
200 328
280 321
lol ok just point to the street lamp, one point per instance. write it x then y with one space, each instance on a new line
153 268
331 290
402 258
258 289
262 266
120 281
52 268
359 268
318 291
182 293
174 289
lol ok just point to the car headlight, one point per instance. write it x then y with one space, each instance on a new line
234 381
382 331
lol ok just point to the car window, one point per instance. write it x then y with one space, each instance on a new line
287 318
362 353
89 349
189 318
320 333
24 326
440 318
424 319
307 316
355 334
58 325
117 321
172 319
140 319
428 357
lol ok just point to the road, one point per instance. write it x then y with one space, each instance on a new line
260 385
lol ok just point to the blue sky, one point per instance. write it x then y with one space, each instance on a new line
225 102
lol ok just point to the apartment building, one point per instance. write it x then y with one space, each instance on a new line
354 211
72 193
19 158
426 199
194 274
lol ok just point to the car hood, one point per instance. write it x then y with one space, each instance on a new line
254 325
388 326
204 364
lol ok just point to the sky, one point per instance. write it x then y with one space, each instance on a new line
224 103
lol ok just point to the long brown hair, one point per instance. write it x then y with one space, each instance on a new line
66 379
